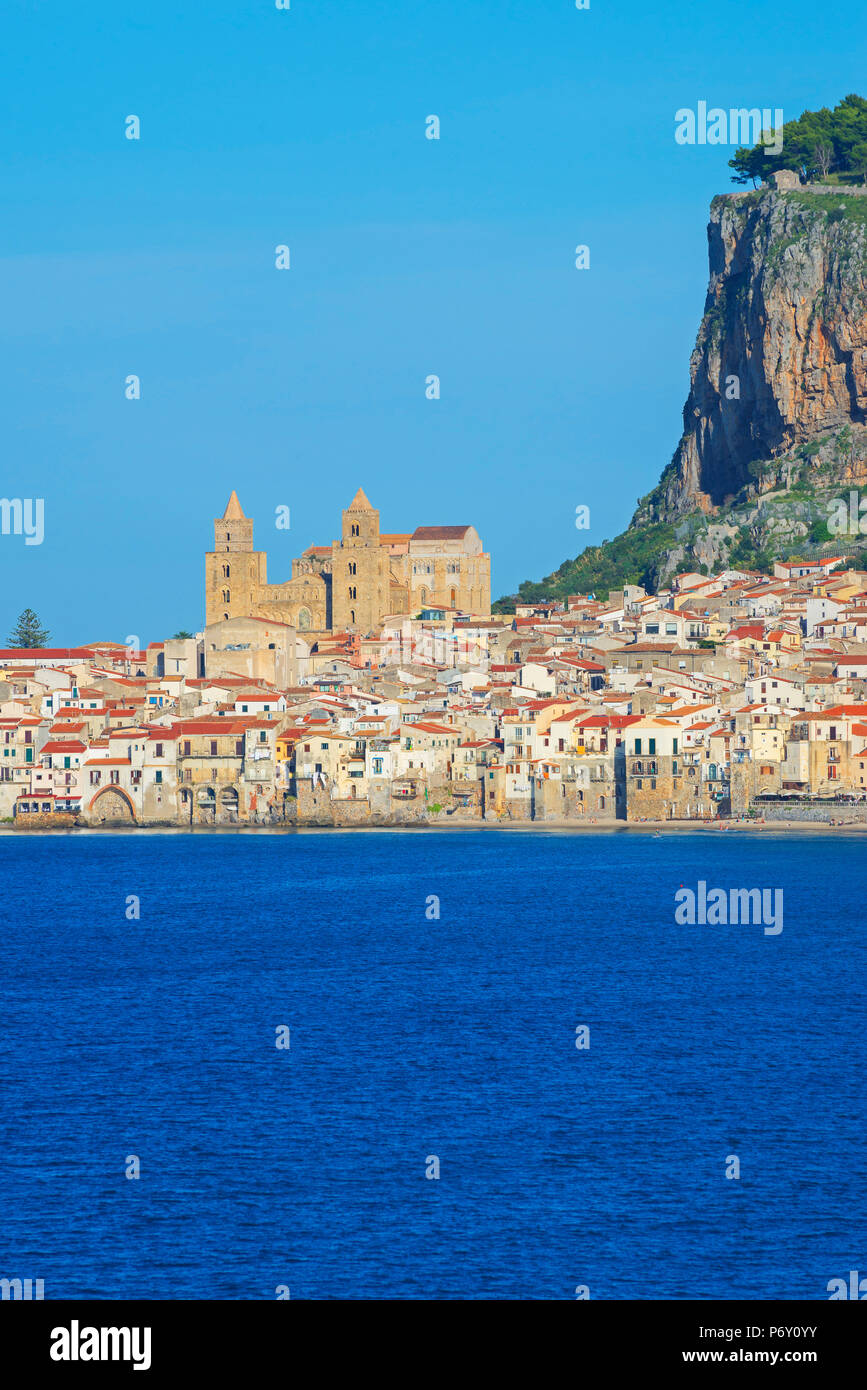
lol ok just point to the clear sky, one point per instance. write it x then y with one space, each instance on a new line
409 257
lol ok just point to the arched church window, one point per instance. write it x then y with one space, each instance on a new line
225 571
226 596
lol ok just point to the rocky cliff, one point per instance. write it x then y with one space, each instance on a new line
781 353
775 424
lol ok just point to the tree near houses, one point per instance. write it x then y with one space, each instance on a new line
28 631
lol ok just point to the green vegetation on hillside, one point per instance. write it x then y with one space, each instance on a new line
628 559
781 512
836 208
818 145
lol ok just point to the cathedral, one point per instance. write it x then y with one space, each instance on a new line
353 583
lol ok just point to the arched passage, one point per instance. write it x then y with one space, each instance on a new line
112 806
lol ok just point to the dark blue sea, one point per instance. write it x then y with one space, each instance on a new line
414 1036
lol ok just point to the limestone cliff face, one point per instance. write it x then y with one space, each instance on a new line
786 316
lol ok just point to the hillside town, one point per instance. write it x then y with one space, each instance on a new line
730 695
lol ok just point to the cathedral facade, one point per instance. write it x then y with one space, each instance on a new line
351 584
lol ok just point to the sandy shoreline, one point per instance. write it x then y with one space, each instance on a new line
648 827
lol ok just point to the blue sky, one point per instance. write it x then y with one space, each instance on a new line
409 257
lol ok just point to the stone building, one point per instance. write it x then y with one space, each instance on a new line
355 582
663 780
260 648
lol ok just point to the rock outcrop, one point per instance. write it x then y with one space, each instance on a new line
781 353
775 425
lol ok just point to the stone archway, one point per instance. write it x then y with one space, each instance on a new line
112 806
206 804
229 806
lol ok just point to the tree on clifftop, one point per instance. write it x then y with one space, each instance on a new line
814 145
28 631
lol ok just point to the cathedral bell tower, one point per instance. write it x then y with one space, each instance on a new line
233 569
359 570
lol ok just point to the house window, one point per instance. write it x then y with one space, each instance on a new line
159 750
637 748
651 745
159 775
239 748
186 748
114 775
213 748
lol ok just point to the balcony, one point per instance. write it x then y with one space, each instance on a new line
404 789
